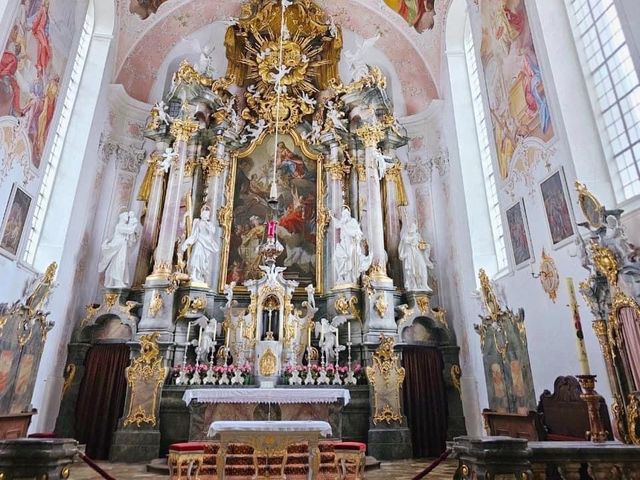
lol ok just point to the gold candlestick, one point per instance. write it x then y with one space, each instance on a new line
596 432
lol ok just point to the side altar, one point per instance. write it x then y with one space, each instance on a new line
273 243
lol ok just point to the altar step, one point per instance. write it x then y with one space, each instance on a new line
240 464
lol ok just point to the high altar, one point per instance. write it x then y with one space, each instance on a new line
277 243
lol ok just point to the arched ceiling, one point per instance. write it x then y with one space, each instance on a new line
143 44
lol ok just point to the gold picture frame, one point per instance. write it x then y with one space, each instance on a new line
591 207
226 214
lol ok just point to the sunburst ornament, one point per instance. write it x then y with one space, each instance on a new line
549 278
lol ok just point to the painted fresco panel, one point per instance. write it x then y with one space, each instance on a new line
297 179
516 96
418 13
554 197
14 221
519 234
32 65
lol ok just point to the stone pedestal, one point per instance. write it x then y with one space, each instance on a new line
49 459
389 443
74 373
379 311
492 457
134 446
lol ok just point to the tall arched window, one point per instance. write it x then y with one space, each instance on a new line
610 71
484 148
53 161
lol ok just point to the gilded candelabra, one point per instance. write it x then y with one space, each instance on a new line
596 432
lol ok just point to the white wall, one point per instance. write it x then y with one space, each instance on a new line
576 148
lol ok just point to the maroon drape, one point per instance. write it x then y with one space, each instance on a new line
425 400
101 398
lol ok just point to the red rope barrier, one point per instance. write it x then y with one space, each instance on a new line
433 465
95 466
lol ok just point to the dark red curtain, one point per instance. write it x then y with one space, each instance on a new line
101 398
425 400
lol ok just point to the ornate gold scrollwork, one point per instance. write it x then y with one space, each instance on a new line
145 376
633 419
549 276
268 363
488 295
605 262
619 416
183 130
211 164
386 376
110 299
456 375
192 305
156 305
600 329
380 305
422 303
69 375
371 134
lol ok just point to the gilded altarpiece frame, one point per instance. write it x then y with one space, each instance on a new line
301 211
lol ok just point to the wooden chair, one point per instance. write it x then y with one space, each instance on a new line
514 425
565 414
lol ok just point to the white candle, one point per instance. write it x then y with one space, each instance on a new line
348 331
188 332
228 337
215 329
200 338
582 351
309 336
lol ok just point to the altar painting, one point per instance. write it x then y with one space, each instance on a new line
297 181
15 220
516 95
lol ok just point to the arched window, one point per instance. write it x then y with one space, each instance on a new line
53 161
482 136
613 79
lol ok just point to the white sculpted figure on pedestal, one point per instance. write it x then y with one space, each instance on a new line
350 260
203 243
616 238
355 58
414 253
328 332
311 301
115 252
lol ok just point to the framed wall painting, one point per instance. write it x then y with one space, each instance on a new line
519 234
14 221
557 208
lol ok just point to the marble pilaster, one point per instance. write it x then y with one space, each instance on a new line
392 203
151 224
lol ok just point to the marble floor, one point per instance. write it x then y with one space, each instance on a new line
399 470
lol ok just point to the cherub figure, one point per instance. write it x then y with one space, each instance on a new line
328 332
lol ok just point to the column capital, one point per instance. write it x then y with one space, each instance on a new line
371 134
337 170
212 165
183 130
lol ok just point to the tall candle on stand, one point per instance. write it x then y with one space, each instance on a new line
309 336
582 351
348 331
188 331
215 330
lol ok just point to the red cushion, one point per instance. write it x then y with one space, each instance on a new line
42 435
187 447
350 446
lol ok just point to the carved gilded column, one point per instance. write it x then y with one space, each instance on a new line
379 301
153 196
182 130
371 135
213 167
394 198
335 178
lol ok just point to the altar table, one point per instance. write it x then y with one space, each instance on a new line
270 439
266 395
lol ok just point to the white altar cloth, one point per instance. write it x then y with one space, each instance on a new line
271 426
266 395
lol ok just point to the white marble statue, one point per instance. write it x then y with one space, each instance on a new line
228 292
313 135
115 252
255 131
311 301
206 62
382 162
208 341
203 246
336 117
414 253
308 100
355 58
163 115
328 333
350 260
616 238
167 159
